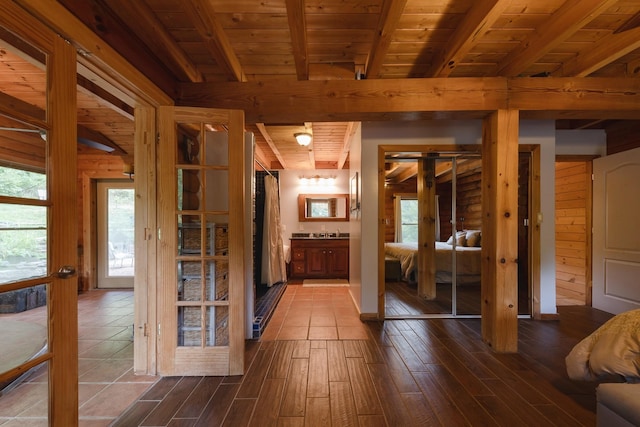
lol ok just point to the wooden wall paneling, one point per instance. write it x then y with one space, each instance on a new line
499 225
572 204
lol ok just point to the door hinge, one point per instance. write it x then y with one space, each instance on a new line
593 177
145 331
158 329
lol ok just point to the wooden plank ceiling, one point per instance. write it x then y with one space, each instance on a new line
284 41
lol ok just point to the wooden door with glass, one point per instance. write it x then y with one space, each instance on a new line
201 241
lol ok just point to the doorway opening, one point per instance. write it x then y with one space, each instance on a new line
115 224
457 235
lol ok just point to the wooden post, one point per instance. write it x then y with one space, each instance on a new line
426 229
500 231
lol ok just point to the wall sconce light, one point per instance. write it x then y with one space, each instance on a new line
303 138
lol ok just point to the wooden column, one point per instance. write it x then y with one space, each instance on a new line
426 229
500 230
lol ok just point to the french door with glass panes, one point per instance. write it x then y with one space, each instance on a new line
201 241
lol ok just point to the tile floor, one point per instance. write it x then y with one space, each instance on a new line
107 385
315 313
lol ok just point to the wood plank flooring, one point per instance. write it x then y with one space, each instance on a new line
405 373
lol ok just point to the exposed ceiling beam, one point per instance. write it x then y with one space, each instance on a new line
352 127
100 57
298 29
478 20
389 17
379 99
272 145
204 19
633 68
104 97
112 31
572 16
22 111
403 173
148 28
604 52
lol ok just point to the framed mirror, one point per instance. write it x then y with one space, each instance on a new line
323 207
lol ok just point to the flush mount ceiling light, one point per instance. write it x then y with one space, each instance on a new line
303 138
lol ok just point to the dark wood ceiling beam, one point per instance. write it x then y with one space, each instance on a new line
110 29
389 17
148 28
607 50
298 29
103 59
203 17
22 111
380 99
478 20
569 18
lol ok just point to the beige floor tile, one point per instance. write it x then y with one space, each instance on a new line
293 333
113 400
323 333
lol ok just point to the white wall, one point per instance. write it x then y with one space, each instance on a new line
355 238
581 142
452 132
290 187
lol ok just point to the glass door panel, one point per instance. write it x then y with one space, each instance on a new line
24 229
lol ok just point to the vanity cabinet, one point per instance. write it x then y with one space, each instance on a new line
319 258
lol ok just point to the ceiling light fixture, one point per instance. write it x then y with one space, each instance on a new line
303 138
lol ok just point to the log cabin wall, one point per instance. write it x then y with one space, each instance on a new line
408 186
468 201
91 167
572 197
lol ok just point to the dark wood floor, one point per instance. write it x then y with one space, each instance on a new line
401 299
407 373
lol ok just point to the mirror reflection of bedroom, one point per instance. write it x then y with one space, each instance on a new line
433 270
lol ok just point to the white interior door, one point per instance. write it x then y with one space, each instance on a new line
116 256
616 235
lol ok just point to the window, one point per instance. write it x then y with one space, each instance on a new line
409 219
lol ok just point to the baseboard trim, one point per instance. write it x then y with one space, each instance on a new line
369 317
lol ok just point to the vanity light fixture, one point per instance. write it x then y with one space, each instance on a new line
318 180
303 138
